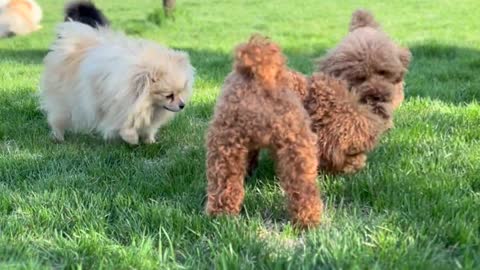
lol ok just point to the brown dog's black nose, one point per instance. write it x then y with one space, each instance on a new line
181 105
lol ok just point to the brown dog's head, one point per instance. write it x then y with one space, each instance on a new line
367 59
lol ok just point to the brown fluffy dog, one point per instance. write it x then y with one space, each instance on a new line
348 121
367 56
347 128
257 110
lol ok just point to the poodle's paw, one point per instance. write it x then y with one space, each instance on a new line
130 136
309 216
355 163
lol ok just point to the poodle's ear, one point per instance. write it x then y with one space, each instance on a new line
405 56
362 18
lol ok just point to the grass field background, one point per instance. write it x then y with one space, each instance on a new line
91 204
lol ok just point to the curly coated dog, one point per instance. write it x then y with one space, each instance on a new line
348 119
257 109
367 56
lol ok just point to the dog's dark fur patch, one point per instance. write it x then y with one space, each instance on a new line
85 12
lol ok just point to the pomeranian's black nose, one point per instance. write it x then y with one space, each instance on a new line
181 106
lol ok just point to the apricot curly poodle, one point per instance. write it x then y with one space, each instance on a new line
257 109
348 119
366 56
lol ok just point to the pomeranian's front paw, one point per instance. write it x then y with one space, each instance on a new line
57 136
130 136
150 140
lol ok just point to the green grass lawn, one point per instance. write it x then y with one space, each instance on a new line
91 204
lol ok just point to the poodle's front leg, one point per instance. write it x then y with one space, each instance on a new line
354 163
225 173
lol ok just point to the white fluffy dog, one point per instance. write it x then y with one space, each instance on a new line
19 17
99 80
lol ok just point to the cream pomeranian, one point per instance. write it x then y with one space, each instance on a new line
102 81
19 17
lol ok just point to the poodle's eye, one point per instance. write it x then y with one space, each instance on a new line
336 73
383 73
361 79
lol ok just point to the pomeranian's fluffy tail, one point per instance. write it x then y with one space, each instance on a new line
261 60
85 12
362 18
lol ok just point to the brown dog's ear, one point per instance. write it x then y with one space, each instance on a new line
405 56
362 18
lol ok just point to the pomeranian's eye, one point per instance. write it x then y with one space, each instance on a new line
171 96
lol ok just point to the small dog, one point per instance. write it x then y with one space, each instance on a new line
100 80
257 109
19 17
367 56
348 122
347 128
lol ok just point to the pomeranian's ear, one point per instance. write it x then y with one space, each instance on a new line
155 76
140 83
405 56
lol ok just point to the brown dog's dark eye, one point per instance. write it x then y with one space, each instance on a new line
360 79
383 73
171 96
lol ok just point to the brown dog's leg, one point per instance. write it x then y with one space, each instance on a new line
297 170
225 173
252 160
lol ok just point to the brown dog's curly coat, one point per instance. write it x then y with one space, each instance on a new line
257 109
347 129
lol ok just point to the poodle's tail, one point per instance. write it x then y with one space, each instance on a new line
85 12
260 59
362 18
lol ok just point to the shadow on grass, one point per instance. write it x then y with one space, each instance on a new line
444 72
30 57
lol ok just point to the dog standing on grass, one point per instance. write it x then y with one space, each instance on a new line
258 109
19 17
367 56
100 80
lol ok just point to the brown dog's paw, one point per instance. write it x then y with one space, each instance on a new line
354 163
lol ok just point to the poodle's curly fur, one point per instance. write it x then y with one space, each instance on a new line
368 55
347 129
258 109
347 119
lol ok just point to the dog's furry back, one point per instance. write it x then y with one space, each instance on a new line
96 77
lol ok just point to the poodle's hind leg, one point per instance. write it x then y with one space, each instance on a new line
252 160
225 173
297 169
